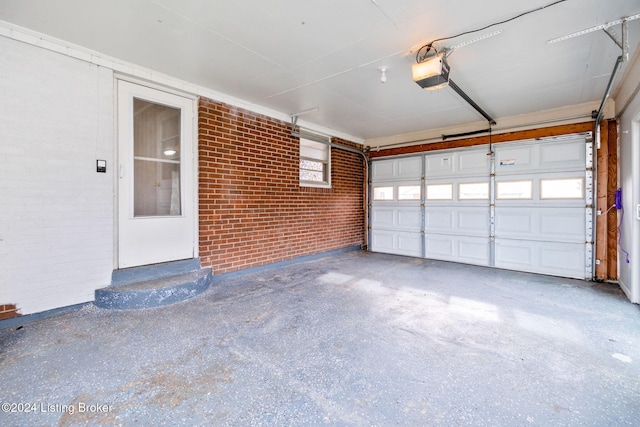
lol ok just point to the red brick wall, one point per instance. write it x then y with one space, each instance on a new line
7 311
252 209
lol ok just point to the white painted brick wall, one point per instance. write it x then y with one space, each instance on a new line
56 211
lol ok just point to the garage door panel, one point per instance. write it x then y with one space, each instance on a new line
514 159
437 165
382 241
382 169
439 247
382 217
470 250
475 162
409 218
455 164
474 221
474 250
554 258
439 220
409 168
566 224
552 224
515 222
562 155
513 254
410 244
389 218
395 242
565 155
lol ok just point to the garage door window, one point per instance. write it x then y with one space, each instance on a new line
409 192
382 193
566 188
514 190
440 192
473 191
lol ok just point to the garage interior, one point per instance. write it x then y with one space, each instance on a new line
356 338
357 213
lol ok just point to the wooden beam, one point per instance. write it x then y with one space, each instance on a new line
480 140
602 158
612 216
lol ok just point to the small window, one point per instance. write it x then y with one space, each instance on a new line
473 191
314 163
564 188
311 170
440 192
409 192
382 193
514 190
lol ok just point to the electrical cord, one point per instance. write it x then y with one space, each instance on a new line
429 46
620 235
622 249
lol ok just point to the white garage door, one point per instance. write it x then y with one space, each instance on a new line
528 207
457 202
396 215
543 214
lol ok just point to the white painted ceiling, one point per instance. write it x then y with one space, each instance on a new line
296 55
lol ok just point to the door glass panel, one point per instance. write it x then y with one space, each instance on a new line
440 192
514 190
409 192
473 191
156 151
564 188
382 193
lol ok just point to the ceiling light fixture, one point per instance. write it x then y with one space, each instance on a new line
383 74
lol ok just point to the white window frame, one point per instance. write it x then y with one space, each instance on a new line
316 150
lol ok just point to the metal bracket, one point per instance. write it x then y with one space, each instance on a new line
625 40
622 43
614 37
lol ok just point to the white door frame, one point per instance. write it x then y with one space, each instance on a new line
630 222
629 183
635 212
189 175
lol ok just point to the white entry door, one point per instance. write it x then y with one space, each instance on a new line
156 176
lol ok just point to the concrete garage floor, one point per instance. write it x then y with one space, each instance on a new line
351 339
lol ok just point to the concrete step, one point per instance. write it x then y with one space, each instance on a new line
154 286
